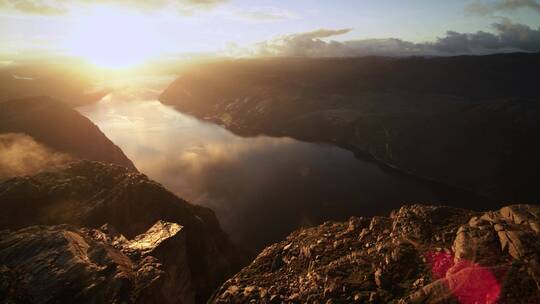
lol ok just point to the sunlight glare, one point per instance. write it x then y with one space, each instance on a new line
111 38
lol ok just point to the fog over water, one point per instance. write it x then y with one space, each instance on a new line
261 188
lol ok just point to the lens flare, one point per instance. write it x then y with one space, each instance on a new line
469 282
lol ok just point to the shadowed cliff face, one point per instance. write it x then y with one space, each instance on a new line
467 122
57 126
418 254
91 194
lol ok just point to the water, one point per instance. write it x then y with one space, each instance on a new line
261 188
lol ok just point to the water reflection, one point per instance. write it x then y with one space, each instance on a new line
261 188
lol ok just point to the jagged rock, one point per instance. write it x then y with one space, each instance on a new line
64 264
91 194
419 254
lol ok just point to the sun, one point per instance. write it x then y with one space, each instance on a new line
114 38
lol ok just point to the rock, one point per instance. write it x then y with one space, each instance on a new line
64 264
93 194
408 264
380 278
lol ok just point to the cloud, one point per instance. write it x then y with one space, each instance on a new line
308 44
508 36
202 3
58 7
482 8
20 155
311 44
34 7
266 14
318 34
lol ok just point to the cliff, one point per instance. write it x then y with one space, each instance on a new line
418 254
57 126
469 122
88 195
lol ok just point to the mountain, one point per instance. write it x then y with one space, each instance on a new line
86 195
57 126
70 82
470 122
418 254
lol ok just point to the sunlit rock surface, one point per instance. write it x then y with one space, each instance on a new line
419 254
469 121
56 125
92 194
64 264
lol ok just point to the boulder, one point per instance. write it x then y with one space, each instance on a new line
65 264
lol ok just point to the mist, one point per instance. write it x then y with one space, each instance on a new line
21 155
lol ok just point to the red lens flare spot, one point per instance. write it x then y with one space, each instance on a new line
440 262
469 282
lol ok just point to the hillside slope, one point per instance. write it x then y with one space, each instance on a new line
70 82
469 122
57 126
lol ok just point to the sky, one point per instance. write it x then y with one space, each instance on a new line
132 31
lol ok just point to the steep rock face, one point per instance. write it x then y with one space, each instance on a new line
61 128
419 254
91 194
468 122
61 264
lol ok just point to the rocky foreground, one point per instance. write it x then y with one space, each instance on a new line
111 250
64 264
419 254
